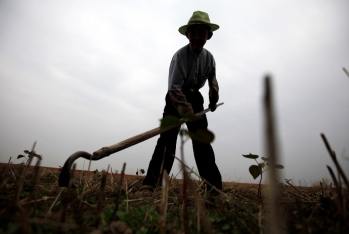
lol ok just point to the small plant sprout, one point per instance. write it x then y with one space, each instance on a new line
29 155
257 170
142 171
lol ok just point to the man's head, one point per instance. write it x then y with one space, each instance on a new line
198 34
198 30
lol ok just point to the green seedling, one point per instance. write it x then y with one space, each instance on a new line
201 135
29 155
142 171
257 170
171 121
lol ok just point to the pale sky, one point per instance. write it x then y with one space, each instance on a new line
80 75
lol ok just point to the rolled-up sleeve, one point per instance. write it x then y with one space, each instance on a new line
214 88
179 101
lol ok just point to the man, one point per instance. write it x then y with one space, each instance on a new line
190 67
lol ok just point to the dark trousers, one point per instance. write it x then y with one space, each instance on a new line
166 146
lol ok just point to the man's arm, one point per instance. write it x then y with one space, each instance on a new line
214 89
180 102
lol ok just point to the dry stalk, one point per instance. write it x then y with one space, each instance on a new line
164 202
13 174
43 172
339 193
92 206
53 174
160 172
336 184
346 72
260 220
135 182
126 191
178 172
100 198
90 190
107 170
63 215
34 201
174 202
272 153
4 178
83 192
202 183
248 200
85 184
82 172
334 159
306 196
111 177
201 210
297 195
117 199
33 194
36 173
135 200
49 210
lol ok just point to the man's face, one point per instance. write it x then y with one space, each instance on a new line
198 35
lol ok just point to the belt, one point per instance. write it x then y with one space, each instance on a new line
190 90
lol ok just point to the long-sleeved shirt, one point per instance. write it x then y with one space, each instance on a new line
191 70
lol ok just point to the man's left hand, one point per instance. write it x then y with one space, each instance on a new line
212 106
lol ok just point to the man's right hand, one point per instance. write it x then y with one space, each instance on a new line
212 106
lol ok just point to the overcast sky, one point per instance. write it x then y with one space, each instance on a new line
80 75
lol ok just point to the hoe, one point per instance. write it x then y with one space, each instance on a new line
65 175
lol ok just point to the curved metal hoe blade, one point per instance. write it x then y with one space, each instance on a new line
65 175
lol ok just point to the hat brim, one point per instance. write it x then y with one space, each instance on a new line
184 28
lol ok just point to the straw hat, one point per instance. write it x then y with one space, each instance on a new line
198 17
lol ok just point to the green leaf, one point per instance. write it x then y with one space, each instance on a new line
20 156
169 121
252 156
255 171
123 215
38 156
26 151
278 166
265 159
202 135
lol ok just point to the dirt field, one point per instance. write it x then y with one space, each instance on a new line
32 202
